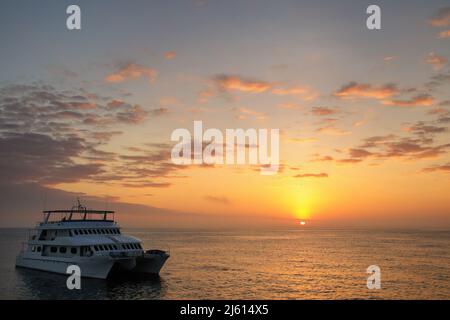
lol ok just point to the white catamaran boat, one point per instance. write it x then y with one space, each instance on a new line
90 239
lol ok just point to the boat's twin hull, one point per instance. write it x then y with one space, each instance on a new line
95 267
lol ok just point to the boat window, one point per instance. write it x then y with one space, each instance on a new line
73 250
75 232
53 249
101 247
62 249
39 249
115 247
89 231
95 248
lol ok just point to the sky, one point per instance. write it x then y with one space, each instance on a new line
363 114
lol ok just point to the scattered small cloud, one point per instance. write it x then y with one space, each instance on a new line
159 112
444 34
227 84
169 55
418 100
220 200
363 90
245 113
438 168
324 111
333 131
441 18
131 71
438 62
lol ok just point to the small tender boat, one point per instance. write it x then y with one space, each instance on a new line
90 239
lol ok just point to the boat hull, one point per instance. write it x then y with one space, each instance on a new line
150 263
98 268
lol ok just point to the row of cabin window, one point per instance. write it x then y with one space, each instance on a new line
104 247
129 246
95 231
55 249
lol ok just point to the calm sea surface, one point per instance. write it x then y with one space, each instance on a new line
258 264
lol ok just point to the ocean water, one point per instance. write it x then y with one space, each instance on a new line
258 264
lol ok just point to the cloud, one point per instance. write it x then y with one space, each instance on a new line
318 158
245 113
39 158
444 34
146 184
410 148
220 200
324 111
359 153
135 114
169 55
439 168
348 161
418 100
421 128
312 175
159 112
57 136
441 18
363 90
131 71
333 131
229 83
438 62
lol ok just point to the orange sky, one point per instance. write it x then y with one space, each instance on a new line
363 116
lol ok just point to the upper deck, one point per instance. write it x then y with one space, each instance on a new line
78 214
